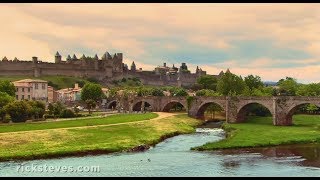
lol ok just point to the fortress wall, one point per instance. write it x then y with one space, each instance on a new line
20 68
20 65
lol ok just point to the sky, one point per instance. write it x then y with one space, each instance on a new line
269 40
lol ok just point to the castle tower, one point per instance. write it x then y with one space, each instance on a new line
120 56
133 66
68 58
96 57
197 70
15 59
74 57
83 57
221 73
35 60
228 71
57 58
5 59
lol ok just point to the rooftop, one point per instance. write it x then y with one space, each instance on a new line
30 80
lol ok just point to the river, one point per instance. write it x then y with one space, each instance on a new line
173 157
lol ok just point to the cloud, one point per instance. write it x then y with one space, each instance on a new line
244 37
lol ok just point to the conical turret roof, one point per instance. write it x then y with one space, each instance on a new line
5 59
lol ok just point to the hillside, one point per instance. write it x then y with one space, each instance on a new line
58 82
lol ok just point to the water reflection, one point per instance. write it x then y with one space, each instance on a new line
298 154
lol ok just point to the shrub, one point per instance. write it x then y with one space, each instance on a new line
67 113
18 111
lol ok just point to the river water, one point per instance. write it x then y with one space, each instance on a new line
173 157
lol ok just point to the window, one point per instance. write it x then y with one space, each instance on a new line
17 97
22 89
29 97
22 97
43 86
28 89
17 89
36 86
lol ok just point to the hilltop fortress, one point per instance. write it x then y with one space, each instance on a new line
105 69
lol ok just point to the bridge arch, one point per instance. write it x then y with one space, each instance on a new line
167 107
112 104
138 105
244 110
292 109
202 108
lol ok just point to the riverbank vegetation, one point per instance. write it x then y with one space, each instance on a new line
259 131
95 139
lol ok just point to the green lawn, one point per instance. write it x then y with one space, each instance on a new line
119 118
59 82
259 131
60 142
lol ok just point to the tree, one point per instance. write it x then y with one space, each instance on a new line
4 100
90 104
37 110
18 110
56 109
92 91
312 89
253 82
207 82
8 87
230 84
288 86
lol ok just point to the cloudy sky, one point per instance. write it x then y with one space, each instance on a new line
269 40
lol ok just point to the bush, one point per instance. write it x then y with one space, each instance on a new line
157 92
48 116
37 110
18 111
67 113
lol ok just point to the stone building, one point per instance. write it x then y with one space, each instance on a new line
31 89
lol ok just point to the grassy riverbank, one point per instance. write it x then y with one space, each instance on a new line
259 131
119 118
86 140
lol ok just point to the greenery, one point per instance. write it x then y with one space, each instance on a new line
259 131
119 118
37 109
18 110
67 113
55 109
288 86
106 139
128 82
90 94
7 87
58 82
4 100
157 92
208 82
207 92
253 82
230 84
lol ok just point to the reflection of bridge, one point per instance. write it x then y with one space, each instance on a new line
236 108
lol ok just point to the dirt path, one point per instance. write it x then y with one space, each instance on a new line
161 116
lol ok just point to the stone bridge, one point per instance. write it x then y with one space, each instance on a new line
236 108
